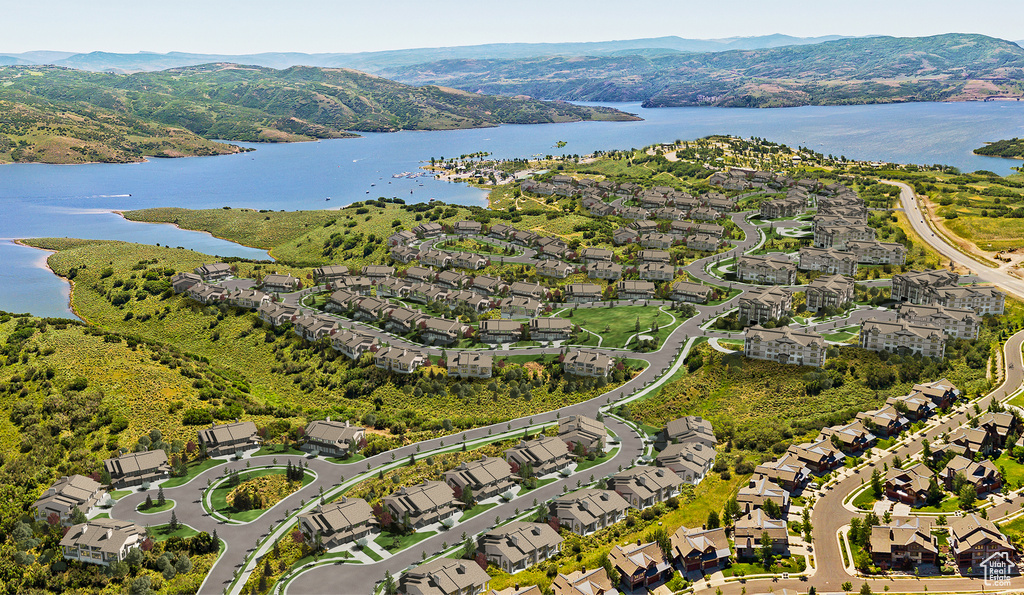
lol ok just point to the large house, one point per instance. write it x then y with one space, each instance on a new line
554 268
635 290
641 566
543 455
467 364
484 478
983 475
983 300
750 528
329 274
69 493
338 523
818 456
228 439
700 550
656 271
761 304
903 543
517 545
101 541
446 576
760 489
441 332
333 438
644 486
581 293
851 437
770 269
875 252
910 485
550 329
784 345
604 270
585 511
211 273
973 540
686 291
833 291
902 336
420 505
690 461
838 236
584 582
691 428
519 306
886 421
918 287
579 429
962 323
135 468
280 283
585 362
397 359
500 331
788 472
783 207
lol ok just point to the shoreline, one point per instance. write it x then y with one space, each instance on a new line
120 213
70 282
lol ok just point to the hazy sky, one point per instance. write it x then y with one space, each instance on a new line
248 26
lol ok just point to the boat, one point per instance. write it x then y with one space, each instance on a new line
328 198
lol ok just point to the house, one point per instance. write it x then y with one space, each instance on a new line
280 283
136 468
278 314
1000 425
784 345
635 290
661 241
905 543
604 270
517 545
761 304
393 287
910 485
656 271
338 523
624 235
692 428
404 254
641 566
595 255
760 489
902 336
250 299
884 422
377 271
550 329
101 541
768 268
360 285
875 252
524 237
600 209
400 320
703 242
585 511
446 576
973 540
439 331
750 528
370 309
419 273
636 213
918 287
832 291
643 486
207 294
63 497
700 550
500 231
329 274
851 437
582 293
484 478
315 327
534 291
917 407
422 504
653 256
984 475
973 440
181 282
229 439
686 291
519 306
827 260
428 230
211 273
704 214
467 260
783 207
584 362
788 472
554 247
838 236
691 461
579 429
435 258
468 228
352 344
941 392
400 238
542 455
554 268
500 331
467 364
452 279
332 438
396 359
486 285
962 323
584 582
983 300
818 456
469 299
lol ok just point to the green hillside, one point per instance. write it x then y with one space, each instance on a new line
1012 148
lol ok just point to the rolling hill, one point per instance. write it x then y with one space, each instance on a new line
844 71
61 115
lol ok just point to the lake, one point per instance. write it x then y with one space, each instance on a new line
76 200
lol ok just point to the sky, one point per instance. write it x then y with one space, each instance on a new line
315 26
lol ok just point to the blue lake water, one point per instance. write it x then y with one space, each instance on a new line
76 200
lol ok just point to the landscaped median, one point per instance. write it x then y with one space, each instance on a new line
244 495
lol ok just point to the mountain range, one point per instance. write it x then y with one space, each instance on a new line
375 61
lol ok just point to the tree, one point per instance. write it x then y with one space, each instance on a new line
149 502
713 521
968 495
765 551
934 492
772 509
865 589
390 588
160 496
876 484
732 510
173 525
806 524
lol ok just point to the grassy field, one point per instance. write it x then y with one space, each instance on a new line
393 542
167 505
163 532
194 469
587 464
616 325
479 508
218 497
989 234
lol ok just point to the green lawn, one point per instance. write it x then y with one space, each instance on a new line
167 505
1014 471
540 483
472 512
278 449
950 504
843 334
372 554
193 470
218 499
394 543
587 464
118 494
617 324
163 532
865 500
352 459
102 515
